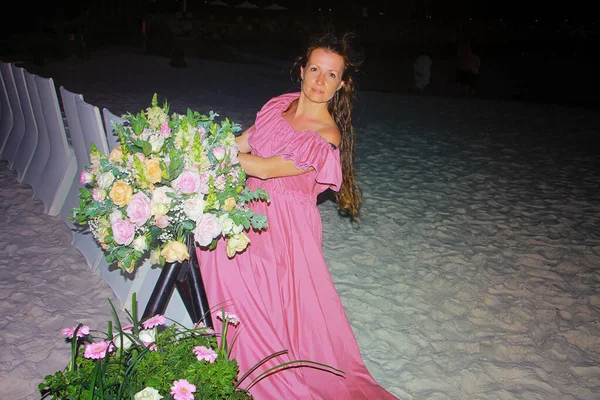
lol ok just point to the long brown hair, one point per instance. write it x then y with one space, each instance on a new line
348 198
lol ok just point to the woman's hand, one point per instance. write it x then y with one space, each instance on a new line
271 167
242 141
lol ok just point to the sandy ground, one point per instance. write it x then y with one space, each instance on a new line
472 275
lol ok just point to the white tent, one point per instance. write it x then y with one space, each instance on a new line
275 6
218 3
247 4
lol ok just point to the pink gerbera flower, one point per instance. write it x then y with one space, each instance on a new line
97 350
83 331
183 390
154 321
204 353
202 326
230 318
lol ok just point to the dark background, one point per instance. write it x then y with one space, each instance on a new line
530 50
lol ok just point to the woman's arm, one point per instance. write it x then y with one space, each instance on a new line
242 141
271 167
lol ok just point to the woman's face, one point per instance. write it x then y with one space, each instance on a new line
322 75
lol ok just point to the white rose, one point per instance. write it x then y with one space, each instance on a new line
127 343
194 207
140 244
159 195
156 142
105 180
237 229
226 224
147 335
148 393
155 256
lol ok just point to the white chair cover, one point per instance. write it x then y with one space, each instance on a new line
109 118
82 237
6 121
42 151
61 167
28 144
17 131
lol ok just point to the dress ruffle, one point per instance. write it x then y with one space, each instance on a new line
276 137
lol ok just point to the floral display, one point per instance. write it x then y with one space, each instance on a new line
173 178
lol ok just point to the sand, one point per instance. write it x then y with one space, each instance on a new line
474 272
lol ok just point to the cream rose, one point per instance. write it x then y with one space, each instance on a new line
229 204
105 180
116 155
154 173
121 193
237 243
175 251
148 393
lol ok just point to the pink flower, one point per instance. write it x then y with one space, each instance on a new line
139 209
183 390
220 182
98 194
187 182
97 350
202 326
162 221
207 228
123 232
127 327
157 320
83 331
165 130
85 177
204 353
231 318
219 153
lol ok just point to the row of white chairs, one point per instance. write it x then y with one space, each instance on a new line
48 146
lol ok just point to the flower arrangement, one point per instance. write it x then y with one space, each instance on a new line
149 360
172 177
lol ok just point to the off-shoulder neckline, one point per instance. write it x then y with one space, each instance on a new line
284 105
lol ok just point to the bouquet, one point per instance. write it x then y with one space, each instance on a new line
172 178
149 360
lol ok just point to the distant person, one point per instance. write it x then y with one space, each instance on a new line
422 71
467 69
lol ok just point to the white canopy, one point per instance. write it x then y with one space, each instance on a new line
218 3
247 4
275 6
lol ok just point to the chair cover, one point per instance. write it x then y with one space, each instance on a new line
61 167
109 118
42 151
17 131
27 146
6 120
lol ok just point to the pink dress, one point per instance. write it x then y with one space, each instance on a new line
280 286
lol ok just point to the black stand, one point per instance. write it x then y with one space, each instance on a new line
185 276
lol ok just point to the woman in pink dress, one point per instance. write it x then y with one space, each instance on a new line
280 287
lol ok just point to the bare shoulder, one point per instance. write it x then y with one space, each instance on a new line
331 133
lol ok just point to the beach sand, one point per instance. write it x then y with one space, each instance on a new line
474 272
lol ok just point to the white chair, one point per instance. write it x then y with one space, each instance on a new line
42 150
28 144
61 167
17 131
6 122
83 239
111 136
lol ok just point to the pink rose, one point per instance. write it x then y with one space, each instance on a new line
98 194
139 208
123 232
207 228
85 177
188 182
162 221
219 153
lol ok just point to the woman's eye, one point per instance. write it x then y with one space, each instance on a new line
313 68
332 75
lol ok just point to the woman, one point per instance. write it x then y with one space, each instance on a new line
280 287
